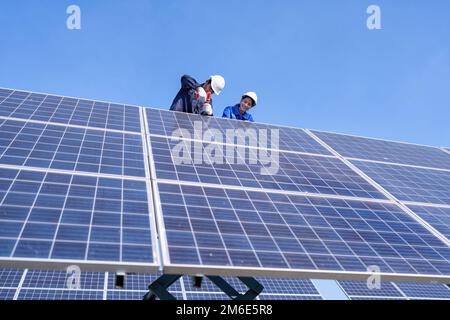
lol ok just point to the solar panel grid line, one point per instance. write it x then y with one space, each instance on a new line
64 96
359 289
385 192
68 125
178 138
19 287
371 138
5 96
305 173
70 172
275 191
52 147
62 109
423 204
410 184
397 164
58 263
424 291
385 151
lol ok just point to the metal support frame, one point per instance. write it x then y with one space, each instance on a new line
159 288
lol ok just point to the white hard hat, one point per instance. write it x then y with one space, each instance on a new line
217 84
252 95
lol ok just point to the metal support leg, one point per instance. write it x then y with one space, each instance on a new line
159 288
255 288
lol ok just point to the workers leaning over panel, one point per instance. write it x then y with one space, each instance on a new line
240 110
196 98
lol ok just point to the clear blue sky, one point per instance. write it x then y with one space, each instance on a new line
313 63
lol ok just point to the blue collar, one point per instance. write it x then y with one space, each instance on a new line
238 114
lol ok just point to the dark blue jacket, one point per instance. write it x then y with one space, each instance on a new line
233 113
185 100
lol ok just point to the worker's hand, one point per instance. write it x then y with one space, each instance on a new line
201 95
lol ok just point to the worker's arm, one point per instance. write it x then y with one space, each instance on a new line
227 113
188 83
250 118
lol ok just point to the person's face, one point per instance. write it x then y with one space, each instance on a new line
246 104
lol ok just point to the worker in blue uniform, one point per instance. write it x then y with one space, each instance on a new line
240 110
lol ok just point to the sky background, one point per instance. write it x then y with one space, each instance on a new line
314 64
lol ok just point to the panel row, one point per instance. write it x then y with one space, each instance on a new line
34 106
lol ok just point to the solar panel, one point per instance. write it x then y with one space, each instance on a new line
425 290
49 217
357 290
438 217
67 148
37 294
57 109
77 187
216 229
410 183
295 172
166 123
386 151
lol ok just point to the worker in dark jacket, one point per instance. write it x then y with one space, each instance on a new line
240 110
196 98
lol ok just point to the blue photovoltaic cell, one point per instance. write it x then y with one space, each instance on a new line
387 151
293 172
10 278
42 294
67 148
7 294
288 286
408 183
425 290
51 279
360 288
439 218
166 123
34 106
71 217
222 227
402 290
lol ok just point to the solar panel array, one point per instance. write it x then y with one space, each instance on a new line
85 182
52 285
73 184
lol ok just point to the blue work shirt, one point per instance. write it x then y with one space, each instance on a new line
233 112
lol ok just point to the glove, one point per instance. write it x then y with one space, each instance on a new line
206 110
201 95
